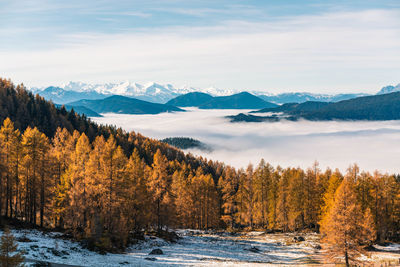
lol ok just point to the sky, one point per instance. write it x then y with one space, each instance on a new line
318 46
373 145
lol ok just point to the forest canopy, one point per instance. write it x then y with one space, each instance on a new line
59 169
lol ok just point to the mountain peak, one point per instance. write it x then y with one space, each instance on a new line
389 89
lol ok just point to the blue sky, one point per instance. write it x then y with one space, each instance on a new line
276 46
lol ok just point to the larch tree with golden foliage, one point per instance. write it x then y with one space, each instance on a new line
346 229
35 162
159 183
10 156
9 256
227 185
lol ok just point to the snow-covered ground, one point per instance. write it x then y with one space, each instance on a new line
195 248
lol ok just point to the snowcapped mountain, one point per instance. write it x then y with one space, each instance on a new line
162 93
304 97
153 92
389 89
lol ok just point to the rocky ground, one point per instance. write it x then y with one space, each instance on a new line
194 248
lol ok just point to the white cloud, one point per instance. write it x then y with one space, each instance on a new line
373 145
348 51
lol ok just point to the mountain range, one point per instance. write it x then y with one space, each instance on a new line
152 92
134 98
243 100
123 105
158 93
376 107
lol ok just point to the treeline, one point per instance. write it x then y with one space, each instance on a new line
294 199
183 142
95 190
28 110
104 192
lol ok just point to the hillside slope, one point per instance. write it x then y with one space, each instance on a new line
377 107
124 105
194 99
242 100
295 108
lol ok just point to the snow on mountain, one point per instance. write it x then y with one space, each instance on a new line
389 89
162 93
154 92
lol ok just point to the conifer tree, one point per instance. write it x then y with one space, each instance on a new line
181 190
135 193
77 174
9 257
283 203
273 199
227 185
159 185
346 228
10 154
61 150
262 187
329 196
35 167
296 199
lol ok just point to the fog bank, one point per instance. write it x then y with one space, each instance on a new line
372 145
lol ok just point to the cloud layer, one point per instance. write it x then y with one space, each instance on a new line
338 51
373 145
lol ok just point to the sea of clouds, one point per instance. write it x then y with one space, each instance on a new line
372 145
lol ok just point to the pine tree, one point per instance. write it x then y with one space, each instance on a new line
9 257
346 228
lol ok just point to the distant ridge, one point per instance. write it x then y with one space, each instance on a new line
243 100
80 110
162 93
194 99
60 96
305 97
297 108
389 89
124 105
377 107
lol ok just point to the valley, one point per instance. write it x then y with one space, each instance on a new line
285 143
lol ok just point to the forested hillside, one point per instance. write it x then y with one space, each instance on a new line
243 100
103 185
194 99
184 142
376 107
124 105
